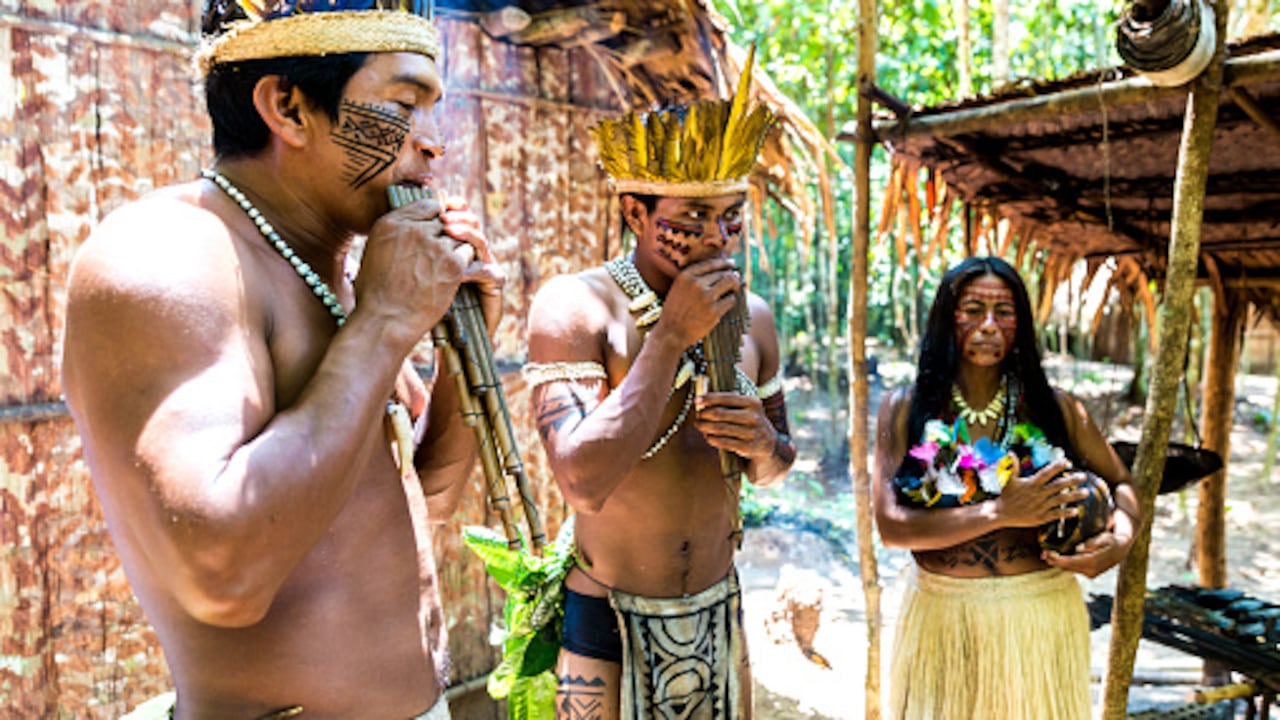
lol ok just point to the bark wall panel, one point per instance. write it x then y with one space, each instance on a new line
66 122
73 640
468 613
163 18
547 177
506 126
591 211
553 74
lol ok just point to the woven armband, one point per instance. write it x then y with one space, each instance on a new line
541 373
770 388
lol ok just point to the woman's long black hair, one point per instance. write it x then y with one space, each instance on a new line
940 358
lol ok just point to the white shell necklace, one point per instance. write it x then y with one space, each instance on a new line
402 426
648 308
987 414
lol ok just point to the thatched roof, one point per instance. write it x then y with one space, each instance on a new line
1084 168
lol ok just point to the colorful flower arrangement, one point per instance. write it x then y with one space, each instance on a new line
947 469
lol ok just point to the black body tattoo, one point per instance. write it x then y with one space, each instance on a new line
563 403
578 698
371 136
988 551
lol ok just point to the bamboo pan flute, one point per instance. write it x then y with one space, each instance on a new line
468 357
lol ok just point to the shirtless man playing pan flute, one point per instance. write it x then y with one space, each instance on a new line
652 624
233 385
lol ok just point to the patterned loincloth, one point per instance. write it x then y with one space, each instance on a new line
684 658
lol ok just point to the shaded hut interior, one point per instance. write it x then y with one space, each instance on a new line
98 107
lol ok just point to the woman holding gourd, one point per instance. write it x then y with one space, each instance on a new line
1004 489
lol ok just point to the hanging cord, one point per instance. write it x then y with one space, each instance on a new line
1106 146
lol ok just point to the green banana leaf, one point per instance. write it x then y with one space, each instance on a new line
532 617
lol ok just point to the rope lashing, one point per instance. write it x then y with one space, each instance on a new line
1173 47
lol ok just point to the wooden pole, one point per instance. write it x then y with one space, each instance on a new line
1273 435
1215 431
1216 414
1175 317
859 394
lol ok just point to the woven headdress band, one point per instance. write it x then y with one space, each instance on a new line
320 33
703 149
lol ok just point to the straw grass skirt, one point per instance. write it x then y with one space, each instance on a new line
1001 648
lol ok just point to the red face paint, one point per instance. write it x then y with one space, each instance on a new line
986 319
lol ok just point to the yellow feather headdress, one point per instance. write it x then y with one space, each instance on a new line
702 149
302 28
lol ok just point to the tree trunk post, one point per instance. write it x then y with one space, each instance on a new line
1273 433
1215 431
1175 316
859 394
964 48
1216 412
999 42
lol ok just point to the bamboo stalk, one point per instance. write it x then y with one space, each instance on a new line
1175 316
859 394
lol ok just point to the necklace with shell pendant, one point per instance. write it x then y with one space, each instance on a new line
986 415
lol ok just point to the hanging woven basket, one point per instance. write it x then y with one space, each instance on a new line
1171 49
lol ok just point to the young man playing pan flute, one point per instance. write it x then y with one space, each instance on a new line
652 624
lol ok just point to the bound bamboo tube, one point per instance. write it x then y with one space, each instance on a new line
722 350
468 356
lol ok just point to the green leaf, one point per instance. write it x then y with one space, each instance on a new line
533 698
505 565
541 652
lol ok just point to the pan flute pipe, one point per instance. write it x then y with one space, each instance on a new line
468 356
722 351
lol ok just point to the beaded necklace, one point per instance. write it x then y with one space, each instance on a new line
402 426
647 306
985 415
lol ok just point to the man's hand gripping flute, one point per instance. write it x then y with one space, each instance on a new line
468 356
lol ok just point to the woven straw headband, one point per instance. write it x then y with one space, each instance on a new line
701 189
321 33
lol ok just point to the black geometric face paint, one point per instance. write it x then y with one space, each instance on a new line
674 238
371 136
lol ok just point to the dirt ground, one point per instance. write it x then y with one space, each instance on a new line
803 567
